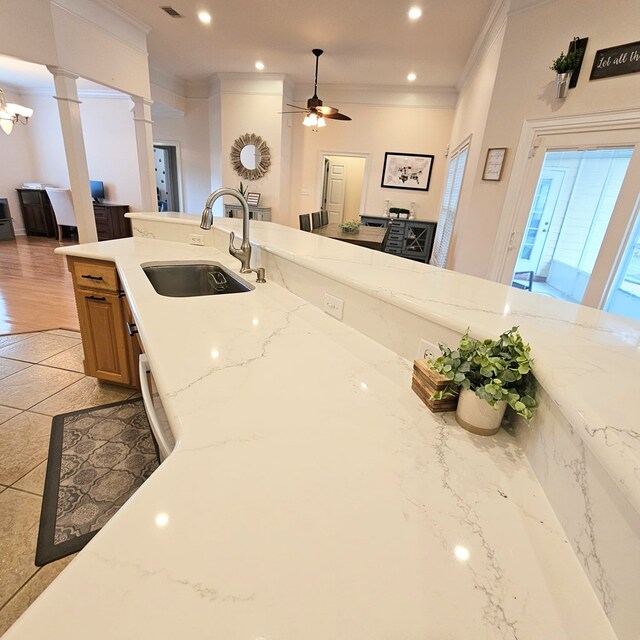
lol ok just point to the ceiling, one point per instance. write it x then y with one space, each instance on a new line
365 43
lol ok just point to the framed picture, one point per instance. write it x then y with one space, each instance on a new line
407 171
493 163
253 199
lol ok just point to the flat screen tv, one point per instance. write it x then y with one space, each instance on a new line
97 190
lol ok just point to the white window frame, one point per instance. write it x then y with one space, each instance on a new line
447 217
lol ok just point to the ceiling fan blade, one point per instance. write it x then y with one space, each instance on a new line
336 116
296 112
325 110
295 106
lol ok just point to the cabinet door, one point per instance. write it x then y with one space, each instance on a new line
134 346
102 326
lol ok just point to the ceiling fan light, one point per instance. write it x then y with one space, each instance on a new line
310 120
321 122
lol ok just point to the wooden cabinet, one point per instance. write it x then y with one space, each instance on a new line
39 219
110 221
255 213
37 213
135 344
102 313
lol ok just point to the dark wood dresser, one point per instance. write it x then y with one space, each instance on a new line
110 221
40 221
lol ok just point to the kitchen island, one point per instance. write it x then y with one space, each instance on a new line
310 492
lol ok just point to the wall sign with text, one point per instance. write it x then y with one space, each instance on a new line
616 61
493 163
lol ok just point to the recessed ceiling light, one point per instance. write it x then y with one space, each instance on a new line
204 17
411 77
415 13
259 65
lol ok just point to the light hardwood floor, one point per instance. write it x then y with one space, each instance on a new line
36 292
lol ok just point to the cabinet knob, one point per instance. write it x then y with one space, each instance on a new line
131 328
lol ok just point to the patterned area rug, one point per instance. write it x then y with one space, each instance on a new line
98 458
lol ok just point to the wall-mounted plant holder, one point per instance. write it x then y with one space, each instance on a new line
581 45
562 84
567 66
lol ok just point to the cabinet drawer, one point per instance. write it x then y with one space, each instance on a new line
94 274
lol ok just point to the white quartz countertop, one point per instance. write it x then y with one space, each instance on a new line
310 495
587 360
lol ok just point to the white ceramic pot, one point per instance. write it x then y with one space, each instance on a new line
477 415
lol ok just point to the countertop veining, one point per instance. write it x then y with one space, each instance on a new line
310 494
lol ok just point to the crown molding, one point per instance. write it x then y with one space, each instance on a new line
104 94
519 6
493 25
107 17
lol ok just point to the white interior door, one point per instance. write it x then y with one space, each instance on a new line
336 187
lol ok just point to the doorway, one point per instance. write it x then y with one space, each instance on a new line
343 179
569 224
572 206
165 160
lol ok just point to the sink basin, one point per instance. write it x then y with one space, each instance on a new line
186 279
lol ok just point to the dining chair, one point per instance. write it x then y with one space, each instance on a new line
324 217
62 206
305 222
315 217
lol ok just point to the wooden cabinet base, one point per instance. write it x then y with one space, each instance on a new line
108 350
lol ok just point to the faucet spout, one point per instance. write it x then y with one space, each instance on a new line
243 253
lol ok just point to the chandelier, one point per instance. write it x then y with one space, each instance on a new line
11 113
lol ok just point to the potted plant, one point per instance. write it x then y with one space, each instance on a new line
564 66
489 374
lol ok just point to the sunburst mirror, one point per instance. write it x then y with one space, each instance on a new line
250 156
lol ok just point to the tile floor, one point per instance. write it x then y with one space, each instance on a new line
41 375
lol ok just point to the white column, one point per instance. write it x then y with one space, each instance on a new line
144 143
69 110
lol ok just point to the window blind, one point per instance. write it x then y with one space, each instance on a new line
450 199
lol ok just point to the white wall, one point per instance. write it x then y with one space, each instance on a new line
469 123
251 104
35 152
525 89
191 132
374 130
17 161
109 137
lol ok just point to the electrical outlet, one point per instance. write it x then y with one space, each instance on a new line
427 350
333 306
196 238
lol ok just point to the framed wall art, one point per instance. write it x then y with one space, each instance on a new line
410 171
493 163
253 199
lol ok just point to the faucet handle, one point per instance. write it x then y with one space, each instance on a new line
232 248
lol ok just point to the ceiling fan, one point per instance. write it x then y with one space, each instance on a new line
316 112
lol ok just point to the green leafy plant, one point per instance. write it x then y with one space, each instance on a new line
350 226
567 62
243 189
494 369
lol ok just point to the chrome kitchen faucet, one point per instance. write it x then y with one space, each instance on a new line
244 252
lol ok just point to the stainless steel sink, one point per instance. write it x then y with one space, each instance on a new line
185 279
